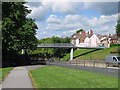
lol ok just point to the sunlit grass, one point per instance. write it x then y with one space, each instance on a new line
58 77
4 72
0 73
96 55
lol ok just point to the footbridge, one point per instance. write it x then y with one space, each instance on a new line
67 45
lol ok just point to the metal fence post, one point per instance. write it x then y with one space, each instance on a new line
76 63
84 63
106 67
70 63
94 64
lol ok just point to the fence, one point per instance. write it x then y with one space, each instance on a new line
77 63
93 66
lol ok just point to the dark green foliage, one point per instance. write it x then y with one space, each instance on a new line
114 45
18 31
118 28
80 30
52 52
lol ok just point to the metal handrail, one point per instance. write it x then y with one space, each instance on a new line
66 45
56 44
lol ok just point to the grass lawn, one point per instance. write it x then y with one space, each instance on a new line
59 77
0 73
4 72
96 55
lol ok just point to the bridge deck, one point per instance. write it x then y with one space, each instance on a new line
65 45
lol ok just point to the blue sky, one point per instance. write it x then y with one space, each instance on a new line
65 18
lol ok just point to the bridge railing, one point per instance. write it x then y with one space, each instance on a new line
81 45
56 44
89 45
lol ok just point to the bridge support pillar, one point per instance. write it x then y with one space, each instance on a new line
71 54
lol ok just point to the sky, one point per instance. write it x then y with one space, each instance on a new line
63 18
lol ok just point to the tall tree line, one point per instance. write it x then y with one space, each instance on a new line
52 52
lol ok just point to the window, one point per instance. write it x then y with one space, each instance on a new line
114 59
118 58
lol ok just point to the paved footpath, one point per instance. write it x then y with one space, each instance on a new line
0 86
18 78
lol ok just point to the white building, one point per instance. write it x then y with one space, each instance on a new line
87 42
94 41
90 40
105 41
77 41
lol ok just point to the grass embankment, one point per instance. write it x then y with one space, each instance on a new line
59 77
4 72
91 54
0 73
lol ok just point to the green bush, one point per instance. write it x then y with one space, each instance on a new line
112 45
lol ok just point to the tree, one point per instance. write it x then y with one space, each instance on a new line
80 30
52 52
18 31
118 28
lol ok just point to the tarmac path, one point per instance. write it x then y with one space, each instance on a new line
19 78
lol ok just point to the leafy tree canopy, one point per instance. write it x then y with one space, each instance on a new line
118 28
80 30
18 30
52 52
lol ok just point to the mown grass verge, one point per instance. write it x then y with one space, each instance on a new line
0 73
4 72
59 77
91 54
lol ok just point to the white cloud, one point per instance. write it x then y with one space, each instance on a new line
105 8
73 1
53 19
33 4
74 22
72 19
67 33
44 34
103 20
69 22
66 7
41 9
40 12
